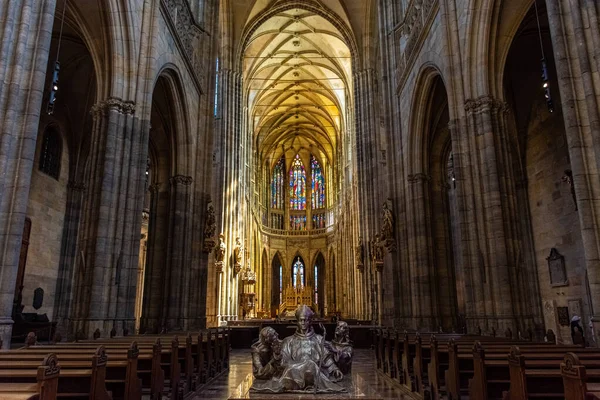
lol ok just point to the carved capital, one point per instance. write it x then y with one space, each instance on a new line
113 104
485 103
181 180
154 188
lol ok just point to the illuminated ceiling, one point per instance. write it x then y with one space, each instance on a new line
297 76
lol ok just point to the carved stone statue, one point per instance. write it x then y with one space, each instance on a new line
387 221
307 362
220 253
237 255
376 249
210 227
266 354
359 253
220 250
341 347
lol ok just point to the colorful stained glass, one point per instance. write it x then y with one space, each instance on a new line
318 221
316 284
280 284
298 222
298 273
297 185
277 185
318 184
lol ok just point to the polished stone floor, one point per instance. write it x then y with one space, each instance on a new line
367 384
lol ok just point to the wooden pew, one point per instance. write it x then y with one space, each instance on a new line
121 375
44 387
575 379
544 378
128 363
88 379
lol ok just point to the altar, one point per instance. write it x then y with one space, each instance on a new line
293 297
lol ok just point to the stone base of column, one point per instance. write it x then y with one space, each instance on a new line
6 325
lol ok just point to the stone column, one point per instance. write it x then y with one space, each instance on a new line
575 31
25 35
111 227
71 263
366 129
229 189
178 260
421 264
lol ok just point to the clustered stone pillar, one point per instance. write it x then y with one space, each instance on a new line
230 189
179 253
421 271
366 164
109 236
575 31
70 261
25 34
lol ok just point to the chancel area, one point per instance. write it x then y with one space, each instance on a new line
299 198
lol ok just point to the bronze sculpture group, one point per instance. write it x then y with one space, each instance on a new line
303 362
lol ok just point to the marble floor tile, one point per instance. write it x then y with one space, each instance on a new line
366 382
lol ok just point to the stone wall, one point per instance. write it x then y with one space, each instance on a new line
46 209
554 218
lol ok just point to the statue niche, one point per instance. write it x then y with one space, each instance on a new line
302 363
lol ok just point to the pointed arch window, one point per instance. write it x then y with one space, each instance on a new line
280 284
298 273
316 284
318 184
51 153
277 185
297 185
216 100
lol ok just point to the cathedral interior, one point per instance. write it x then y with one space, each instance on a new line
411 165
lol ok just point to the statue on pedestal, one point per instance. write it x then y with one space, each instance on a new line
303 363
220 253
210 227
359 254
237 255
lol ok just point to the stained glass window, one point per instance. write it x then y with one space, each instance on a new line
277 185
316 284
280 284
298 273
318 184
297 185
298 222
216 88
318 221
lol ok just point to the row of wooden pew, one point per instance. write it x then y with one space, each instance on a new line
451 366
117 368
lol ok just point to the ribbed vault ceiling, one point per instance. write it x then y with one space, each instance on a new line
297 74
